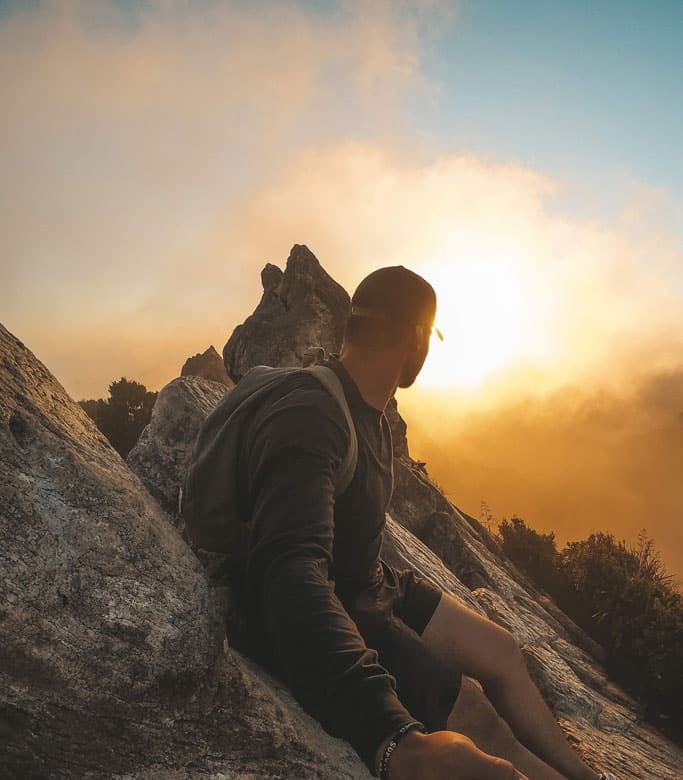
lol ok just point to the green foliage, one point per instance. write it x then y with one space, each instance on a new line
622 596
123 415
535 553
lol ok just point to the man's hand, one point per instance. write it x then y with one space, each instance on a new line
445 755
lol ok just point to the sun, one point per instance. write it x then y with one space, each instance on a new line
490 315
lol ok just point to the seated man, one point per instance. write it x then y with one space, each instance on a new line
377 655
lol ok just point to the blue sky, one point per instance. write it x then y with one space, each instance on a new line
590 91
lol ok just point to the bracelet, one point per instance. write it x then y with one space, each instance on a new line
389 749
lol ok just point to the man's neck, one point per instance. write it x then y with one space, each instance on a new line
376 375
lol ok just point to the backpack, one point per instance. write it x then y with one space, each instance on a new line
209 497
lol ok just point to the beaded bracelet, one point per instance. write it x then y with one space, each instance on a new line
389 749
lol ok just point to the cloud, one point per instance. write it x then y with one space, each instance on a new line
577 461
522 289
128 129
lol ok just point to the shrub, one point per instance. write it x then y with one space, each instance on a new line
535 553
123 415
623 597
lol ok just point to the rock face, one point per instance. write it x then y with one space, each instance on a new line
164 445
300 308
112 661
207 365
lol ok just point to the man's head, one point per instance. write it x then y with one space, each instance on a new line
393 309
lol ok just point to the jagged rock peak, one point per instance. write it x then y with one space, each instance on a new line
207 365
300 307
271 277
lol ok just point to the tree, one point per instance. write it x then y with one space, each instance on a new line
533 552
123 415
622 596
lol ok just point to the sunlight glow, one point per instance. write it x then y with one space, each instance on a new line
491 317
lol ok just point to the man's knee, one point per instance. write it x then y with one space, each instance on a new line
509 662
474 716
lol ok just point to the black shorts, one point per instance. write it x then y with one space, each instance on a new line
391 619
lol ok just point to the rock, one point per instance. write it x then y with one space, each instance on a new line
300 308
164 445
207 365
113 661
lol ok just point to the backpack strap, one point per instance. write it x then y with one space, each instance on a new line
260 379
330 381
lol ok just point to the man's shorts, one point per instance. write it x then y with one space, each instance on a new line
391 618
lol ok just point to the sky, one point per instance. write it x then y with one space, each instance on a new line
524 157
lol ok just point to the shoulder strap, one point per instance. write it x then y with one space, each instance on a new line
330 381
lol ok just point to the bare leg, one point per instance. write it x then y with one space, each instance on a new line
487 652
474 716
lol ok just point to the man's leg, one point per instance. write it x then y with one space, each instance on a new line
487 652
474 716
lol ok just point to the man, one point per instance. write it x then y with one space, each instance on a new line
377 655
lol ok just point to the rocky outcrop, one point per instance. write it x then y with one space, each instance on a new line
207 365
112 660
164 445
300 308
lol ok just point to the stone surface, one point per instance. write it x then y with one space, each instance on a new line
207 365
300 308
112 660
164 445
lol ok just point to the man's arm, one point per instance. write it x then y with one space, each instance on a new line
297 447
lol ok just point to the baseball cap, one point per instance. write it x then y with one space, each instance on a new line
397 294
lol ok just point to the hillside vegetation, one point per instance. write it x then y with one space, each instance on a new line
622 596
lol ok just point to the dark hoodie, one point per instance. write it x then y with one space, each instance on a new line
309 554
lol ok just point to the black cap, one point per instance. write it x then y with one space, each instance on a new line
397 294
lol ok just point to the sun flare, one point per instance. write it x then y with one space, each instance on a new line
490 317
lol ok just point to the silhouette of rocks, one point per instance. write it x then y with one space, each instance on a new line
207 365
300 308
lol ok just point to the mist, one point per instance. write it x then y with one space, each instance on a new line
577 461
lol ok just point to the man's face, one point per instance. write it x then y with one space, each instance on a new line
415 359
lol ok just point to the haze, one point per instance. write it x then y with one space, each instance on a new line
525 158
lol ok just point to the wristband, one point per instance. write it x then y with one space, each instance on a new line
389 749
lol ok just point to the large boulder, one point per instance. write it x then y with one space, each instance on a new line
113 661
207 365
160 455
300 308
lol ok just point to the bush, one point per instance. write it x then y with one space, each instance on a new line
533 552
122 417
622 596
